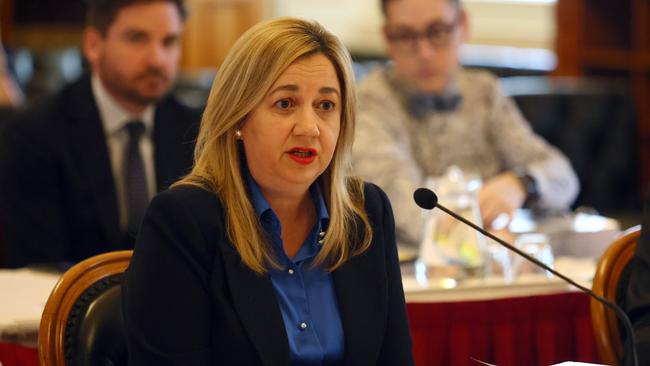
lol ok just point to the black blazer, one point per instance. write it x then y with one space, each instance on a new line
57 193
188 299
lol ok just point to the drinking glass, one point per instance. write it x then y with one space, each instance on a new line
536 245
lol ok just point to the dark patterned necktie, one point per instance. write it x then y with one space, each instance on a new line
135 178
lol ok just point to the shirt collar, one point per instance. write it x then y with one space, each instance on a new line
262 207
113 116
271 223
420 103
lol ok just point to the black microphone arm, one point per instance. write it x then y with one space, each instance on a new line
426 199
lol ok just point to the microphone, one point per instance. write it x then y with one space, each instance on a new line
428 200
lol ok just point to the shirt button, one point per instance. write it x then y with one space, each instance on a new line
303 326
291 271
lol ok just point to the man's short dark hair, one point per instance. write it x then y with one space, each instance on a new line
384 4
100 14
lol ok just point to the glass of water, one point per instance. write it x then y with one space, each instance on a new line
536 245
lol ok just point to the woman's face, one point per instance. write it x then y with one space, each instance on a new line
290 136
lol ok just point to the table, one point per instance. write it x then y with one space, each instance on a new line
530 321
530 330
16 355
20 314
570 234
574 234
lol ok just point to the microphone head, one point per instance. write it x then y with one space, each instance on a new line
425 198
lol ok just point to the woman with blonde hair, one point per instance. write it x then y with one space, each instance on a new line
268 252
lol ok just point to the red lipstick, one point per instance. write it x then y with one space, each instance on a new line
302 155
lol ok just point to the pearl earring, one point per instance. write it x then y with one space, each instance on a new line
238 134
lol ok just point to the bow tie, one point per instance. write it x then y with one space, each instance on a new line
421 104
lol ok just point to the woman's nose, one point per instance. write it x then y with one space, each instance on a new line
306 123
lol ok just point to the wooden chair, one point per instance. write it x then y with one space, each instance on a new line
610 281
82 321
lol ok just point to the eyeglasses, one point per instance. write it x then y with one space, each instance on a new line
437 34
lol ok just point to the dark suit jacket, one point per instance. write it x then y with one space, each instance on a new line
637 302
188 299
57 193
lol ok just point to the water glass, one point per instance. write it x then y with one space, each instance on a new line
536 245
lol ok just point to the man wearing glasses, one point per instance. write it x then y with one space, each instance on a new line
423 113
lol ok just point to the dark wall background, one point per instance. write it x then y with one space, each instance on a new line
49 11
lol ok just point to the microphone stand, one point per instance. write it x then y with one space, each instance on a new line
619 312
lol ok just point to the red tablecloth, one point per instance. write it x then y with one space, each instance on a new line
535 330
14 355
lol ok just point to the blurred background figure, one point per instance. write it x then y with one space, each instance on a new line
79 167
10 93
423 113
11 97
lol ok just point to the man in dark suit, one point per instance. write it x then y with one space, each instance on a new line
79 170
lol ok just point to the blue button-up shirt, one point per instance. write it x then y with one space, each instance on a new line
305 294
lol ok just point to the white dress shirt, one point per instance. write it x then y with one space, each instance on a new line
114 118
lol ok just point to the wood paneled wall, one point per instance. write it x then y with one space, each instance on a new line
605 38
213 26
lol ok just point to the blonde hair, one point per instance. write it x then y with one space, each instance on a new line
251 67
